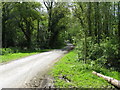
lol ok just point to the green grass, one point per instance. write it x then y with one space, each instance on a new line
10 57
14 56
78 74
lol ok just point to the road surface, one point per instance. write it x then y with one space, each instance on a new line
16 73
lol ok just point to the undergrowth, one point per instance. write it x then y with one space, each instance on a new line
68 72
14 56
9 54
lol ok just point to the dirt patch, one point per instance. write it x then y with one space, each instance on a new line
45 81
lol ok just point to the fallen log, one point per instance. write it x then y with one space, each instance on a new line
112 81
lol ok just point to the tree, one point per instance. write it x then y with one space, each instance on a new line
25 14
6 19
56 13
80 15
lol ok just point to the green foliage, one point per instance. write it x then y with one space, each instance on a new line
104 54
19 23
93 30
9 54
6 51
12 50
14 56
57 21
111 49
95 52
70 73
97 37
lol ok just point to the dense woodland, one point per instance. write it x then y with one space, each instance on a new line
93 27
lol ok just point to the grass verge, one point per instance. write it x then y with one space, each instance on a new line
14 56
68 72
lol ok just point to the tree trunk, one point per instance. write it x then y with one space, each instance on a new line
3 32
28 32
119 28
98 23
112 81
85 48
3 26
95 22
53 39
106 24
89 19
38 33
119 20
85 39
49 6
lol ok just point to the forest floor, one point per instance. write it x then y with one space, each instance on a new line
68 72
18 73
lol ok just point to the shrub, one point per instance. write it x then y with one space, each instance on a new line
104 54
95 52
7 51
111 51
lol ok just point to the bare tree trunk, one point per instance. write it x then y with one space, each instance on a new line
119 29
3 27
119 20
98 23
49 6
89 19
85 34
112 81
85 49
38 32
95 22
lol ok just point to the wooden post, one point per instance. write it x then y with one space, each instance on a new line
112 81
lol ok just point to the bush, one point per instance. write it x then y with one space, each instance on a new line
69 73
104 54
80 49
7 51
95 52
111 51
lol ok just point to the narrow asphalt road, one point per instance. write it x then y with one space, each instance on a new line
16 73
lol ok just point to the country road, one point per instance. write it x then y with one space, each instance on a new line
16 73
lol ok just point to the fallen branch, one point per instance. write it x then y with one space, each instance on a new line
112 81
